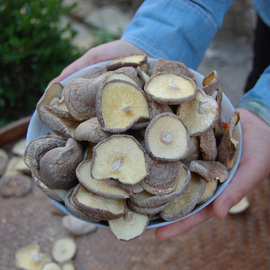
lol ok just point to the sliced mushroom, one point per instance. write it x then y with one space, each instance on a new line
91 131
51 266
119 105
120 157
131 225
157 108
193 151
3 161
162 178
143 75
219 130
170 88
199 114
68 265
57 166
166 137
186 202
132 60
210 170
228 145
208 145
95 72
99 207
240 206
60 109
64 249
19 147
209 192
210 83
100 187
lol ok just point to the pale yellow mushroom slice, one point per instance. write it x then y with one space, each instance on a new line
19 147
131 225
69 265
98 206
210 170
30 258
167 138
120 157
209 192
187 201
3 161
120 105
170 88
133 60
51 266
64 249
100 187
211 82
228 145
199 114
240 206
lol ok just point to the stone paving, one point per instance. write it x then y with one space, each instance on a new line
230 52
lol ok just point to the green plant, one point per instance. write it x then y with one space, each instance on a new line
34 48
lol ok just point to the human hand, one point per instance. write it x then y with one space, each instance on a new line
253 169
98 54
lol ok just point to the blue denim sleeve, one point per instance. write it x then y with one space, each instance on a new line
257 99
178 30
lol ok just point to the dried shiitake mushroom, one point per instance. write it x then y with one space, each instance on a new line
199 114
170 88
51 266
209 192
3 161
210 83
166 137
64 249
240 206
119 105
120 157
208 145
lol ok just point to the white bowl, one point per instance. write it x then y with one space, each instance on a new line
37 128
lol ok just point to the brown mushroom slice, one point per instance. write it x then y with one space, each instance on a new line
29 257
157 108
219 130
95 72
91 131
193 151
199 114
143 75
186 202
208 145
132 60
209 192
100 187
120 157
228 145
52 94
162 178
60 126
122 76
170 88
210 170
163 65
3 161
98 206
145 199
210 83
119 105
166 137
59 108
131 225
57 166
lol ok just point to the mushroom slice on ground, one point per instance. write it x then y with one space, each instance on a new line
59 125
166 137
170 88
199 114
209 192
3 161
186 202
210 170
98 206
120 157
163 65
228 145
208 145
30 258
100 187
91 131
131 225
210 83
145 199
64 249
17 164
240 206
68 265
51 266
119 105
57 166
162 178
132 60
19 147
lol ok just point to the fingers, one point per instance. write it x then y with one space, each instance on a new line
181 226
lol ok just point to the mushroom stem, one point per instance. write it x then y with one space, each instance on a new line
173 86
166 137
117 164
127 109
129 218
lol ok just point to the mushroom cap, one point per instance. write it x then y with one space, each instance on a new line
166 137
120 104
211 82
120 157
170 88
199 114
